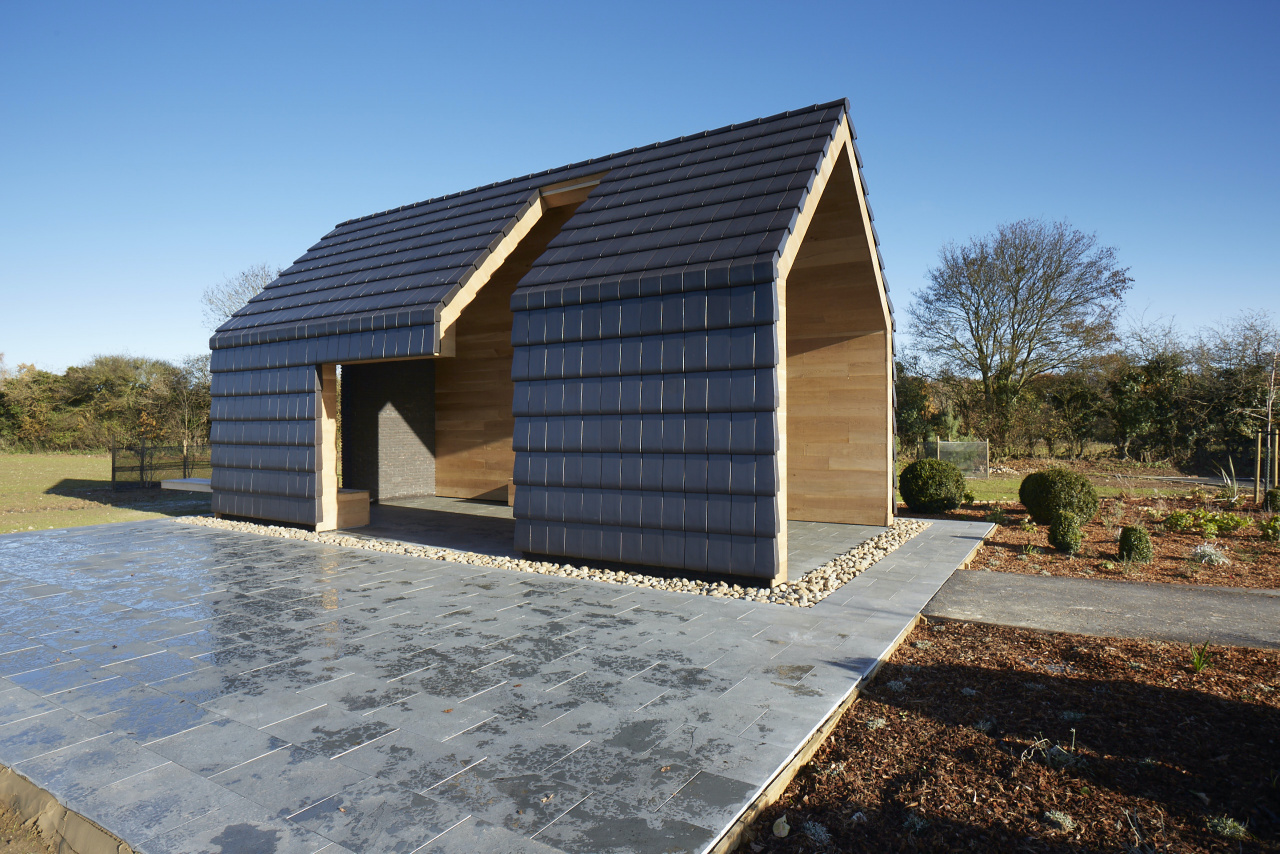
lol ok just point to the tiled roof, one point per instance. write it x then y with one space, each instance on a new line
713 202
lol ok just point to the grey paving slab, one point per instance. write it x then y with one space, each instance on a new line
193 689
1170 612
238 827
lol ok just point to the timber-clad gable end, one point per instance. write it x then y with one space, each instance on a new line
659 356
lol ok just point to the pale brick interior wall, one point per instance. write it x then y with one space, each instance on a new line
388 428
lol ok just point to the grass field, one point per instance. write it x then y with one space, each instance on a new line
997 488
39 491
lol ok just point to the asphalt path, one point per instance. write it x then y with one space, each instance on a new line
1228 616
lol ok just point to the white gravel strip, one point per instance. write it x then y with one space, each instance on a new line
806 592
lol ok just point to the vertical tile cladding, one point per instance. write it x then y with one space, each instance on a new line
646 429
264 435
388 428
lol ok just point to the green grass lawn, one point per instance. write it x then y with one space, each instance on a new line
39 491
1006 488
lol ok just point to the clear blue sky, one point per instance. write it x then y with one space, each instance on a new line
150 150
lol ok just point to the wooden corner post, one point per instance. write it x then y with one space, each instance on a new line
327 450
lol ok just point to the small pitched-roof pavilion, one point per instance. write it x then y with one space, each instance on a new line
665 354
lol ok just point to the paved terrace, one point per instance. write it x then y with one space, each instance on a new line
193 689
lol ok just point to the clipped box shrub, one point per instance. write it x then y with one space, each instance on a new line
1065 533
1271 501
1048 493
1135 545
931 486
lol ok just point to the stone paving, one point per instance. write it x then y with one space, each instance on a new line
193 689
489 528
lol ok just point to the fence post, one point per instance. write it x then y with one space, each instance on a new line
1275 460
1257 467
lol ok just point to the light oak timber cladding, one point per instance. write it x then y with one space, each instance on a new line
327 512
838 368
474 420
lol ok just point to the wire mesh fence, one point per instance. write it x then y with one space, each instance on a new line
972 458
145 465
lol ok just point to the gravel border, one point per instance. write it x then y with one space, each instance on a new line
804 593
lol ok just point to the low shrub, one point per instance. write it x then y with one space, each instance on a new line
1209 555
1229 523
1048 493
931 486
1208 523
1271 501
1065 534
1135 545
1270 529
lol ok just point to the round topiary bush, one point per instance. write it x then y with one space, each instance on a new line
1135 544
1271 501
1065 533
931 486
1048 493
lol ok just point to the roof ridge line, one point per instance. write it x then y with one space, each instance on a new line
813 108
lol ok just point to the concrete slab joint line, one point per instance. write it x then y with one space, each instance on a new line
175 688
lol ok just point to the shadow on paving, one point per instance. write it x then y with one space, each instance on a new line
167 502
448 523
1101 747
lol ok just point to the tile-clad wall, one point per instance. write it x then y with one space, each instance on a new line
357 346
388 428
265 417
263 435
646 427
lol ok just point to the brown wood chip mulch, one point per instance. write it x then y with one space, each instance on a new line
1254 562
981 738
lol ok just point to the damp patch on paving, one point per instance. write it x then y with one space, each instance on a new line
190 689
821 556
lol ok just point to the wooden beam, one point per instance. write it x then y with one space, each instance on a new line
327 452
571 192
447 320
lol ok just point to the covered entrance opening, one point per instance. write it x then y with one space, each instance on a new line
442 426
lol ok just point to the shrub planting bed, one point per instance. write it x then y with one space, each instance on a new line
1189 536
981 738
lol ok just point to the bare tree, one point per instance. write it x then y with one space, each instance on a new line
229 296
1247 349
190 400
1032 298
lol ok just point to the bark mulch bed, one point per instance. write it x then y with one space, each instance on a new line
981 738
1255 562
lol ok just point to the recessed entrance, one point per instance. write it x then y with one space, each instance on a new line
443 426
